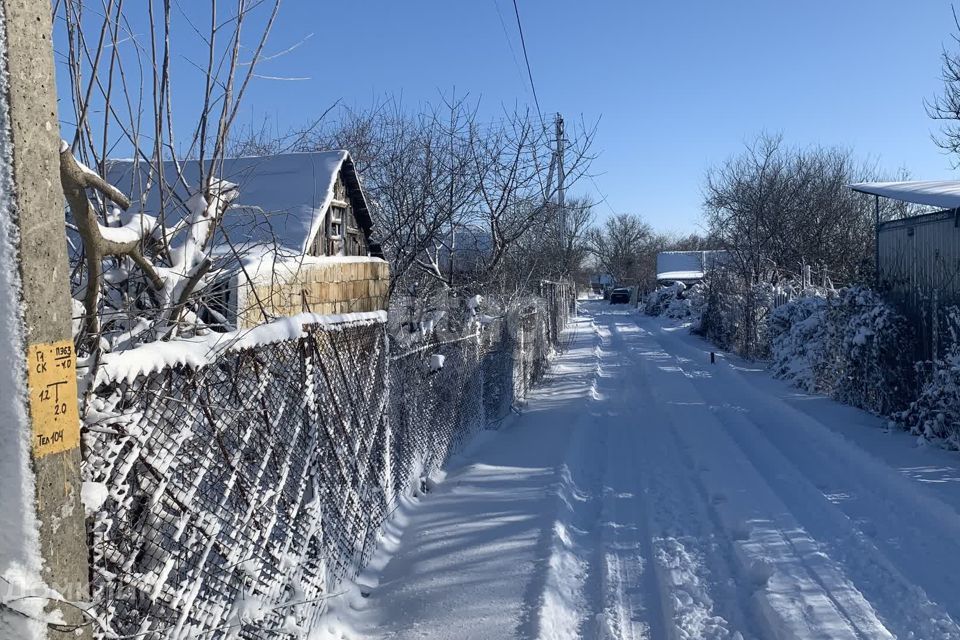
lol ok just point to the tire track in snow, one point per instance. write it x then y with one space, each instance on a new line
725 598
600 584
628 604
692 553
904 608
569 588
655 523
783 449
800 592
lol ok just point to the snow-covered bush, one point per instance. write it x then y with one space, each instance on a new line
798 340
752 338
696 300
935 414
676 301
720 317
876 347
852 346
660 298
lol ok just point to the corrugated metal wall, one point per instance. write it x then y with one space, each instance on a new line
919 260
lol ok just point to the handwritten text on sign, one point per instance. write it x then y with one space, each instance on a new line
52 378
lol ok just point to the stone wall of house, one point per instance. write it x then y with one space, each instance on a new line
329 287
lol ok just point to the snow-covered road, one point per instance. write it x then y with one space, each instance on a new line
647 493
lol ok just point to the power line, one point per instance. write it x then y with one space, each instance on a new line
602 196
526 59
506 35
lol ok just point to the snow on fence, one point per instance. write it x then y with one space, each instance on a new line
447 392
560 300
228 498
233 491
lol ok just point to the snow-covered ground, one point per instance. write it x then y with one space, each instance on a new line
647 493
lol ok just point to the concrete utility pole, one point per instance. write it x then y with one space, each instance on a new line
30 164
561 196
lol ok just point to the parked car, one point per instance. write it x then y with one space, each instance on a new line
620 296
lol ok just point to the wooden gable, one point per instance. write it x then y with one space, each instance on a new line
340 234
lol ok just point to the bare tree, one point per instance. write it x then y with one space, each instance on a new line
417 170
744 196
776 208
537 255
622 247
454 197
141 274
946 106
689 242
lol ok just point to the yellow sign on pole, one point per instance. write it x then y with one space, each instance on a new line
52 381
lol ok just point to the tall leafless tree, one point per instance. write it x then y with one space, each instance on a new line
455 196
140 274
624 247
775 208
946 106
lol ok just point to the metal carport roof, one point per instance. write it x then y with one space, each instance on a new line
935 193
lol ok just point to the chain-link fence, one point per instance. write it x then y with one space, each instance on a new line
560 299
447 390
239 492
230 500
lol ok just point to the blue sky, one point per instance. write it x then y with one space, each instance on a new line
678 86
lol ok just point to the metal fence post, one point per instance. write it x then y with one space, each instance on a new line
935 325
876 242
388 483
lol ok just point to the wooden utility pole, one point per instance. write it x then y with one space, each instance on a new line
44 363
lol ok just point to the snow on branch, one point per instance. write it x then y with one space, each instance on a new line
101 242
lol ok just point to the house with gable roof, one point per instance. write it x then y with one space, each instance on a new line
296 236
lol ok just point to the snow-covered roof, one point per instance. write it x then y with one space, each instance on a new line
935 193
680 275
668 261
282 197
687 265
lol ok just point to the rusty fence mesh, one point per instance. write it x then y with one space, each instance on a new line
237 495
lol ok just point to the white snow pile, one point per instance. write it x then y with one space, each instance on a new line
660 298
676 301
851 346
935 414
93 495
